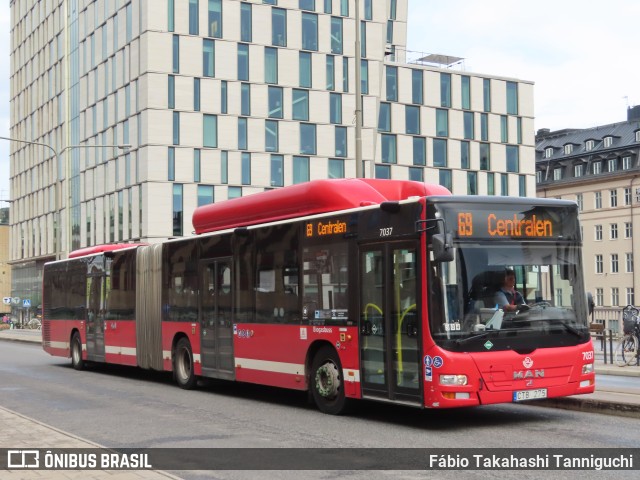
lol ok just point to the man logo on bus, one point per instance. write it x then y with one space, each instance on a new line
527 362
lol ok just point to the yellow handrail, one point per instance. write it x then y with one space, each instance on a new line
399 337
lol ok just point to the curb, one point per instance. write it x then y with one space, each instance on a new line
589 405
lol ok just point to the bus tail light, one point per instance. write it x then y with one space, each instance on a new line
453 379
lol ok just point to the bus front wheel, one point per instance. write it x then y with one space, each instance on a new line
326 382
183 365
76 352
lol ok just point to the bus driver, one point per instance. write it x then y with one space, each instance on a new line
508 298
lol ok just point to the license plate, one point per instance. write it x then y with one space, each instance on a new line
520 395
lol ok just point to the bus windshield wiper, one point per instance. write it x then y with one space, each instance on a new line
462 341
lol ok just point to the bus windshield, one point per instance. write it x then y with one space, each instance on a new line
467 298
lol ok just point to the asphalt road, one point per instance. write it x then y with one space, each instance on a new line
125 407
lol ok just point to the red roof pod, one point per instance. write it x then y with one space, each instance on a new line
83 252
310 198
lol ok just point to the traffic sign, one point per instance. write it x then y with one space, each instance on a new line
6 300
15 300
26 302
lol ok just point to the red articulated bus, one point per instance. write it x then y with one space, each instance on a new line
354 288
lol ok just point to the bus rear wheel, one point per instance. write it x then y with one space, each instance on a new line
76 352
183 365
327 386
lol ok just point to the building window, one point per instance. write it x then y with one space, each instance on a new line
513 158
368 9
210 131
205 195
242 133
224 167
612 164
176 128
512 98
215 18
331 72
468 125
504 128
614 263
307 139
208 58
465 155
171 164
335 108
628 230
472 183
309 31
416 174
271 142
177 210
630 296
277 170
243 61
599 297
245 168
598 229
626 163
336 35
305 69
383 171
538 176
580 201
629 262
486 94
392 83
577 170
504 184
491 183
522 185
627 196
485 156
389 149
417 87
196 165
171 100
444 178
170 15
614 231
300 169
307 5
568 149
445 90
193 17
466 92
300 104
548 152
615 297
484 127
384 119
364 77
345 74
608 141
637 135
245 99
613 198
278 27
442 122
412 120
519 130
597 168
176 53
196 94
598 199
557 173
439 152
336 168
270 65
275 102
599 264
246 22
419 151
234 192
589 144
341 141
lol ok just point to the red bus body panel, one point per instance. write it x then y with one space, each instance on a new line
120 342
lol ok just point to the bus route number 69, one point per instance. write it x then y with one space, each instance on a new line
465 224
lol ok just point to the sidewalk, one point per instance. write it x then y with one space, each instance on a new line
19 431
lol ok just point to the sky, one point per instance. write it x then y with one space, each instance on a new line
580 54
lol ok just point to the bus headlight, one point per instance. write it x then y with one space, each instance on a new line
587 368
453 379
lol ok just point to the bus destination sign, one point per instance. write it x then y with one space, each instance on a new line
324 228
488 224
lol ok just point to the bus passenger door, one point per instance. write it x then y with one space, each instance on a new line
216 327
95 317
390 327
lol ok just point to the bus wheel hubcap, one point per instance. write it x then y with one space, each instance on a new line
327 380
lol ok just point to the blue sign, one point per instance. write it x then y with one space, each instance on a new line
26 302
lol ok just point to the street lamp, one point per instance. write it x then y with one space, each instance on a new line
57 155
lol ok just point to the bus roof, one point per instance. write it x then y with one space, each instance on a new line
83 252
309 198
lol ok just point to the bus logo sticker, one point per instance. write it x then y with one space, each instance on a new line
303 333
488 345
527 362
437 362
428 361
428 374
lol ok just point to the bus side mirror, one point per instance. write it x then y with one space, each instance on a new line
442 247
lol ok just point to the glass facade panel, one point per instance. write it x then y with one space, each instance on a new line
307 139
243 61
300 105
205 195
193 17
177 210
335 110
300 169
270 65
242 133
389 149
392 83
445 90
275 102
417 87
439 152
210 131
305 69
513 158
384 120
278 27
215 18
277 170
412 120
442 122
468 125
336 35
208 58
246 22
309 31
336 168
246 168
245 99
419 151
465 155
512 98
271 136
341 141
331 73
466 92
